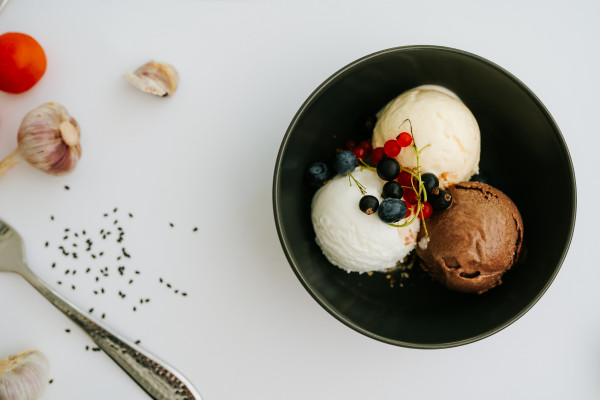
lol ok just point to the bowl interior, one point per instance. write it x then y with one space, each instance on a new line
522 152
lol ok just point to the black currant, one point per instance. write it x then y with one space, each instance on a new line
440 199
368 204
392 189
388 169
430 181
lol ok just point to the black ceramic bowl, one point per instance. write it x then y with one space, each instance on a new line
523 154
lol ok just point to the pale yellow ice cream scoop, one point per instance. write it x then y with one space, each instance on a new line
442 121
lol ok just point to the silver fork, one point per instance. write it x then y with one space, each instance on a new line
159 380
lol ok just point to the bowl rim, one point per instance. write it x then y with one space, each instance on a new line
286 245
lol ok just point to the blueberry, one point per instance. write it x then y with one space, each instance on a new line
392 189
391 210
430 181
368 204
316 174
480 177
345 161
440 199
388 169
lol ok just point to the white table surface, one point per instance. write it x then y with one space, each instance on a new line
205 158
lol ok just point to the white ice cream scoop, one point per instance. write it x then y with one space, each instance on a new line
442 121
351 239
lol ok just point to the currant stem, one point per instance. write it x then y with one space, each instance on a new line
365 165
9 161
360 185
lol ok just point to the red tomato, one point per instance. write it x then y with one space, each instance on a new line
22 62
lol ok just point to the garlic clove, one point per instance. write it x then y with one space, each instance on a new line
24 376
49 139
157 78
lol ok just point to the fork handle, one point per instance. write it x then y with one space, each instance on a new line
158 379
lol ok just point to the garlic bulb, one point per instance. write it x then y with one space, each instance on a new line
159 79
24 376
48 139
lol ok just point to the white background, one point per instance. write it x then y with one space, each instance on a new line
205 157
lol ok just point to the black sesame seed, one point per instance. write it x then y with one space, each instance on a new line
95 292
115 210
67 271
125 253
50 381
130 281
160 280
87 271
91 310
65 237
52 218
138 341
171 224
130 215
73 287
106 214
116 222
67 330
87 348
103 315
67 187
134 309
184 294
102 290
177 291
137 272
169 285
46 244
53 265
59 282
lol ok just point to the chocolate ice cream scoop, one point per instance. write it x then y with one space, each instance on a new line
473 242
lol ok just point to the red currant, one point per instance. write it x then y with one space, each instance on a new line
426 211
365 144
404 178
376 155
410 196
359 152
404 139
350 144
391 148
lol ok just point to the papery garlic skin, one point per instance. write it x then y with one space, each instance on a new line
157 78
49 139
24 376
